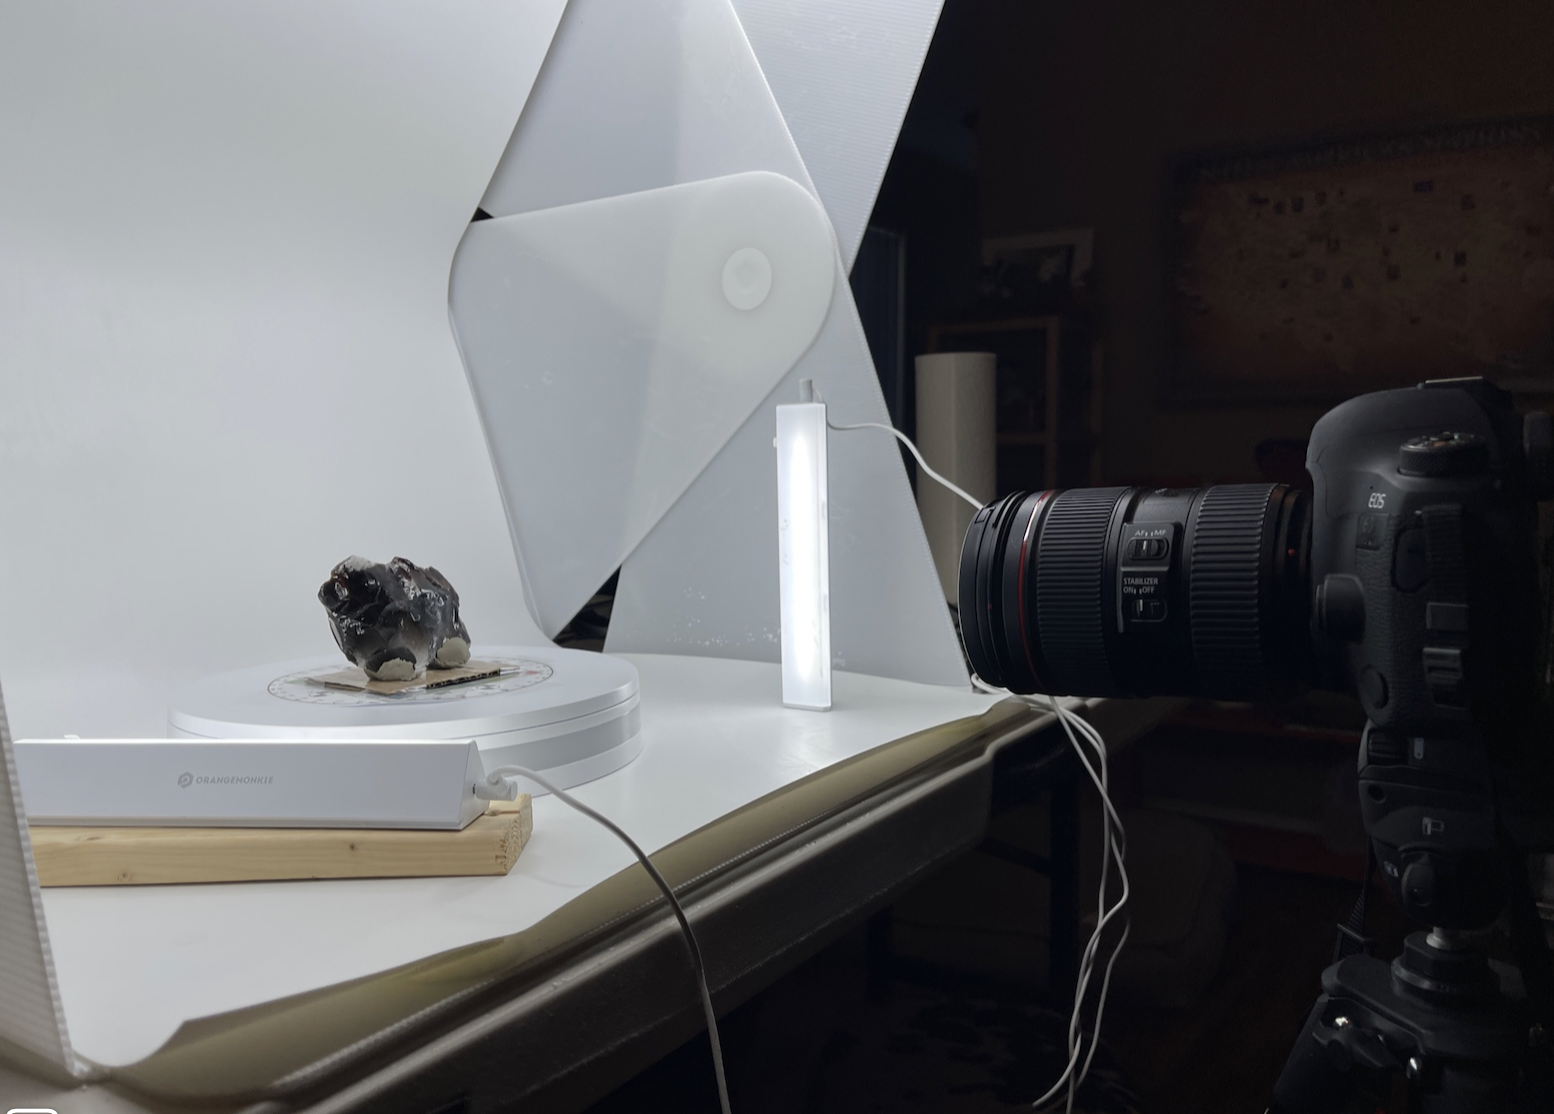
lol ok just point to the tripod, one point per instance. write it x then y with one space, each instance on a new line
1461 1029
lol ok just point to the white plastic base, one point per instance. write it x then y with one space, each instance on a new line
568 714
252 783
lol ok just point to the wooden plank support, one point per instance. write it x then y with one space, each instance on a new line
162 856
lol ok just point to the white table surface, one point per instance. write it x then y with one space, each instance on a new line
136 962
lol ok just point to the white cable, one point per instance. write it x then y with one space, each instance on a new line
497 779
921 463
1113 845
1113 850
1113 837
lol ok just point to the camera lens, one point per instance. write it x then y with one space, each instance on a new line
1124 591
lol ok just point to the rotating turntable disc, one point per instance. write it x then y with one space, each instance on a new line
569 714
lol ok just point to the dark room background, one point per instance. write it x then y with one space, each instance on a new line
1033 117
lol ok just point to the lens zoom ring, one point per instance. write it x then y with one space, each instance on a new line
1224 591
1070 562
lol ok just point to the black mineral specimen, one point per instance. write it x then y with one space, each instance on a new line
394 620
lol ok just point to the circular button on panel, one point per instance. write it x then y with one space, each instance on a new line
747 278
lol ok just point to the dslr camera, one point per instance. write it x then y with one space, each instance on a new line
1410 577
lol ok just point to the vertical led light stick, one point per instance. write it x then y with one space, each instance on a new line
804 552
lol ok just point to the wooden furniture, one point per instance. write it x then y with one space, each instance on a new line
1049 395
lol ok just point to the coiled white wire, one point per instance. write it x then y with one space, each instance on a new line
1113 839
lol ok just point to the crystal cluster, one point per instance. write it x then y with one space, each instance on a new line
394 620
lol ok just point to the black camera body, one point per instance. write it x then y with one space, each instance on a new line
1427 606
1423 555
1408 577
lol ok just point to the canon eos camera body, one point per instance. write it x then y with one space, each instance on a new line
1409 577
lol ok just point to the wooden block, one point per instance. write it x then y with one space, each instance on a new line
152 856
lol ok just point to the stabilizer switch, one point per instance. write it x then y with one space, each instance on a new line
1149 549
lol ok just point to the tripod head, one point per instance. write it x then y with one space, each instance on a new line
1457 1026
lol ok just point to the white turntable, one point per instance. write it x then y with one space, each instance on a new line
569 714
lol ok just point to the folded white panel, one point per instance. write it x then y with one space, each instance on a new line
705 580
640 94
632 98
252 783
31 1016
650 154
650 324
843 72
225 361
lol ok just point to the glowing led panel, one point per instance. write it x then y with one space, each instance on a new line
804 555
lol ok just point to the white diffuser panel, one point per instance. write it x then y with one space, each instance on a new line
651 325
223 301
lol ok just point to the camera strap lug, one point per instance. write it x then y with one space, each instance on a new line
1351 937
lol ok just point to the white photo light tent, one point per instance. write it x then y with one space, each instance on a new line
224 296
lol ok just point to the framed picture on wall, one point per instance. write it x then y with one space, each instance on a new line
1062 257
1322 272
1035 273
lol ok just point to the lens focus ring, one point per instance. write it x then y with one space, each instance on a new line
1225 587
1071 562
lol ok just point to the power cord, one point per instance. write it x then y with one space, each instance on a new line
907 441
498 786
1113 837
1113 850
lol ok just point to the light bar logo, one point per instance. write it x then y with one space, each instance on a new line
187 779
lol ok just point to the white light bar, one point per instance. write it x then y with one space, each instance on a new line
804 552
251 783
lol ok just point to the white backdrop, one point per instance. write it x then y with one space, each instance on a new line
225 360
843 72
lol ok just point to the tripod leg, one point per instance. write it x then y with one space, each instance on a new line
1532 952
1316 1081
1537 967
